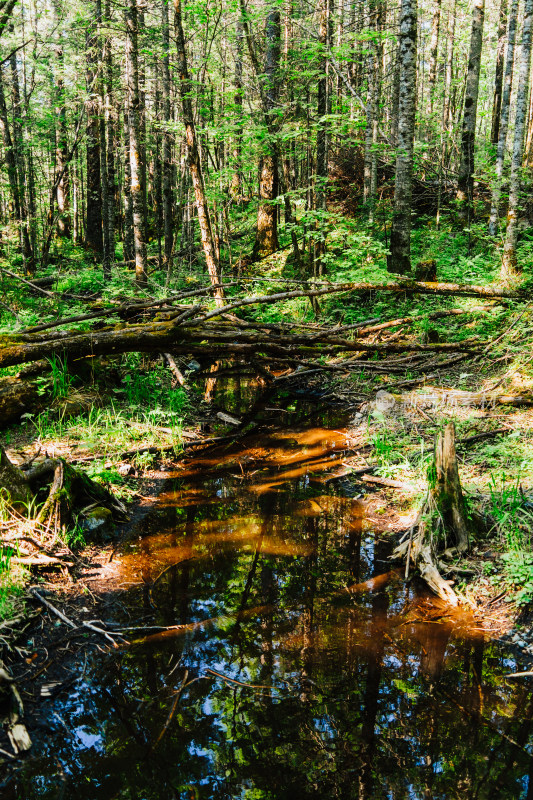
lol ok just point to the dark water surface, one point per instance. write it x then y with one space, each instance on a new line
280 684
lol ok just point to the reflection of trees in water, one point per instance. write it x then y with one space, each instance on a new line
368 711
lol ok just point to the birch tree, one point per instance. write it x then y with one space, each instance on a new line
504 117
509 263
399 259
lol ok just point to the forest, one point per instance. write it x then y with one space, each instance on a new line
266 399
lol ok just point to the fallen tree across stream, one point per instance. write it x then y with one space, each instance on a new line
185 330
165 326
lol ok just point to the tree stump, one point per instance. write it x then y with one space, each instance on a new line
443 516
12 483
447 492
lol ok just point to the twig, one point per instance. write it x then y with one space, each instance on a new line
175 369
69 622
28 283
388 482
240 683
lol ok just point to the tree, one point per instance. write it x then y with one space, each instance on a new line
266 236
498 75
132 55
399 259
168 189
93 226
509 262
465 187
193 158
504 118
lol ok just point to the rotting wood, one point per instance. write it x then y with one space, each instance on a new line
388 483
175 369
442 516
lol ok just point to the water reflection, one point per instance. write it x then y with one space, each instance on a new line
299 664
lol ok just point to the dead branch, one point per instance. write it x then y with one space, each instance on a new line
108 635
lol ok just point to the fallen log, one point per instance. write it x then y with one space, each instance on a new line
17 396
403 286
215 342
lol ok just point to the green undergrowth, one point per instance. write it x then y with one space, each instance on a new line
121 405
117 404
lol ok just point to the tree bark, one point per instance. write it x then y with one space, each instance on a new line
498 75
136 193
266 238
102 130
93 226
17 211
168 199
509 263
193 158
399 260
109 136
127 237
447 117
504 118
12 483
63 226
465 183
236 181
433 53
447 492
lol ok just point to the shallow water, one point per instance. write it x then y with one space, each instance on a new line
301 666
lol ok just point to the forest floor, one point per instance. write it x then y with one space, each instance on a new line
128 425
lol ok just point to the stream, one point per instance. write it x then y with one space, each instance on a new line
278 682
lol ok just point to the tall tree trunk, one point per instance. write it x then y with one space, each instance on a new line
109 123
465 184
325 33
236 181
63 187
399 259
28 252
104 183
17 210
509 263
433 53
168 199
93 226
127 238
374 60
447 117
504 118
193 158
266 238
143 161
498 75
156 170
139 243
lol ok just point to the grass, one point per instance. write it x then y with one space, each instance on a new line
12 580
128 402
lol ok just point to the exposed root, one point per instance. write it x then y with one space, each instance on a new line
442 516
